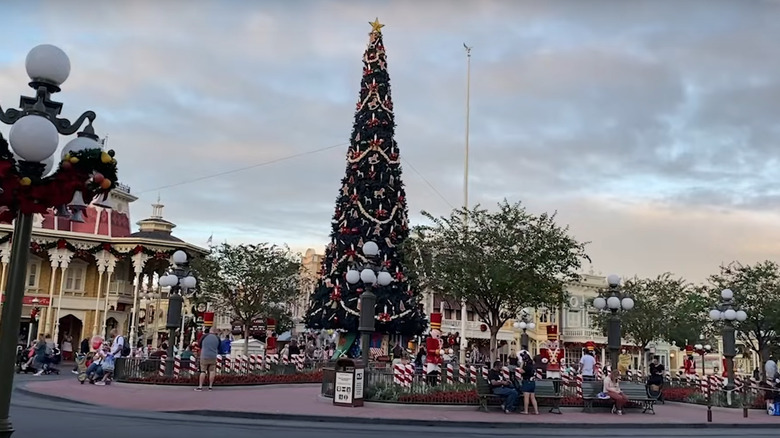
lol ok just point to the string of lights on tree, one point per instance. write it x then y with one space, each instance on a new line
371 206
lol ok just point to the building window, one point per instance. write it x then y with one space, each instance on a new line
543 316
75 276
33 273
447 313
574 319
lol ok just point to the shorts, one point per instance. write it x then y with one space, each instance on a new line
529 386
207 365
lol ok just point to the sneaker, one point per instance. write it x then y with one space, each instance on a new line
74 371
620 412
39 373
210 388
198 389
100 383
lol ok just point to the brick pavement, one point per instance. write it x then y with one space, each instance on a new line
305 400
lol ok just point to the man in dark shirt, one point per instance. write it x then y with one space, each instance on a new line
656 372
502 388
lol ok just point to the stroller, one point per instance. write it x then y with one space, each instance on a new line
81 367
52 359
22 360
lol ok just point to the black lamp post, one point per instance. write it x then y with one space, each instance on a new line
369 273
524 324
615 302
727 312
34 138
182 282
702 350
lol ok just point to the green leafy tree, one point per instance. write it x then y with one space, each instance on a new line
498 262
655 309
756 291
688 321
250 281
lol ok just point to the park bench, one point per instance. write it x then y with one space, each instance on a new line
545 390
634 392
485 394
548 390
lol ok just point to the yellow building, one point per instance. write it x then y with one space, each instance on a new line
87 278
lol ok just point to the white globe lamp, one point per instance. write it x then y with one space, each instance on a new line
353 276
384 278
531 326
613 303
368 276
179 257
189 282
716 315
613 280
726 294
730 314
627 303
78 144
600 303
47 63
741 315
370 249
34 138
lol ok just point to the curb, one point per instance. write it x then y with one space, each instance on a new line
463 424
419 423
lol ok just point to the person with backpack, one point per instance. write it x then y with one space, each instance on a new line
119 347
209 349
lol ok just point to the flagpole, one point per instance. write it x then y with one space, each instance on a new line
463 312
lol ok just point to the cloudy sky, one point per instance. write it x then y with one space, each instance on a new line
652 127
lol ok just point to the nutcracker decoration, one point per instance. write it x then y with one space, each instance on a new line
551 353
688 364
208 319
270 337
433 347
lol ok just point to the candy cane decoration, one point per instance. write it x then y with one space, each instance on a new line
176 366
300 363
505 373
473 374
162 365
639 375
193 367
484 374
409 375
538 374
579 385
398 374
462 373
245 363
518 374
450 374
629 375
285 360
600 373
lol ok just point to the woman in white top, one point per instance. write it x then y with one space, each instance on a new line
67 347
612 389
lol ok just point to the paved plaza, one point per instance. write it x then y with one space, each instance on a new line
302 402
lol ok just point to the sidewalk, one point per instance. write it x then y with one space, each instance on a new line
304 400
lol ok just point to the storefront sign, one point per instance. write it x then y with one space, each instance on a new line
28 301
359 383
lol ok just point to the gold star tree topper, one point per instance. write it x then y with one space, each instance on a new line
376 26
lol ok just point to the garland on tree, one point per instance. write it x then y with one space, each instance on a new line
93 172
371 206
38 248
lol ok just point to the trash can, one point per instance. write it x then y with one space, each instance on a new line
349 384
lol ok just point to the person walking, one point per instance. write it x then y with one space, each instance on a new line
529 384
209 349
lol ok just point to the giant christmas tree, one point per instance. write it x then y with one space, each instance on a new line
371 206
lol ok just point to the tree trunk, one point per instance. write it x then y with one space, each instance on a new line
246 339
763 356
493 344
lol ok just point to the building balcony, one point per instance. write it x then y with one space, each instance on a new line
473 329
583 334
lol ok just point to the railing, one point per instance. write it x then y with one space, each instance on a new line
583 333
136 368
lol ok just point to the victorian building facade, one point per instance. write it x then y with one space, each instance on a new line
85 278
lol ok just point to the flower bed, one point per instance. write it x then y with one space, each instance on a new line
234 379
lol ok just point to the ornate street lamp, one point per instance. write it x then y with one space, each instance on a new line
182 282
702 350
614 302
728 312
370 273
524 324
84 172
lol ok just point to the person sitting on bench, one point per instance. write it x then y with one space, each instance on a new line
612 389
502 388
656 380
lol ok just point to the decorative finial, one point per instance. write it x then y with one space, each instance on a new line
376 26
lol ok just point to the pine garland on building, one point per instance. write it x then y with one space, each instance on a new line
371 206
